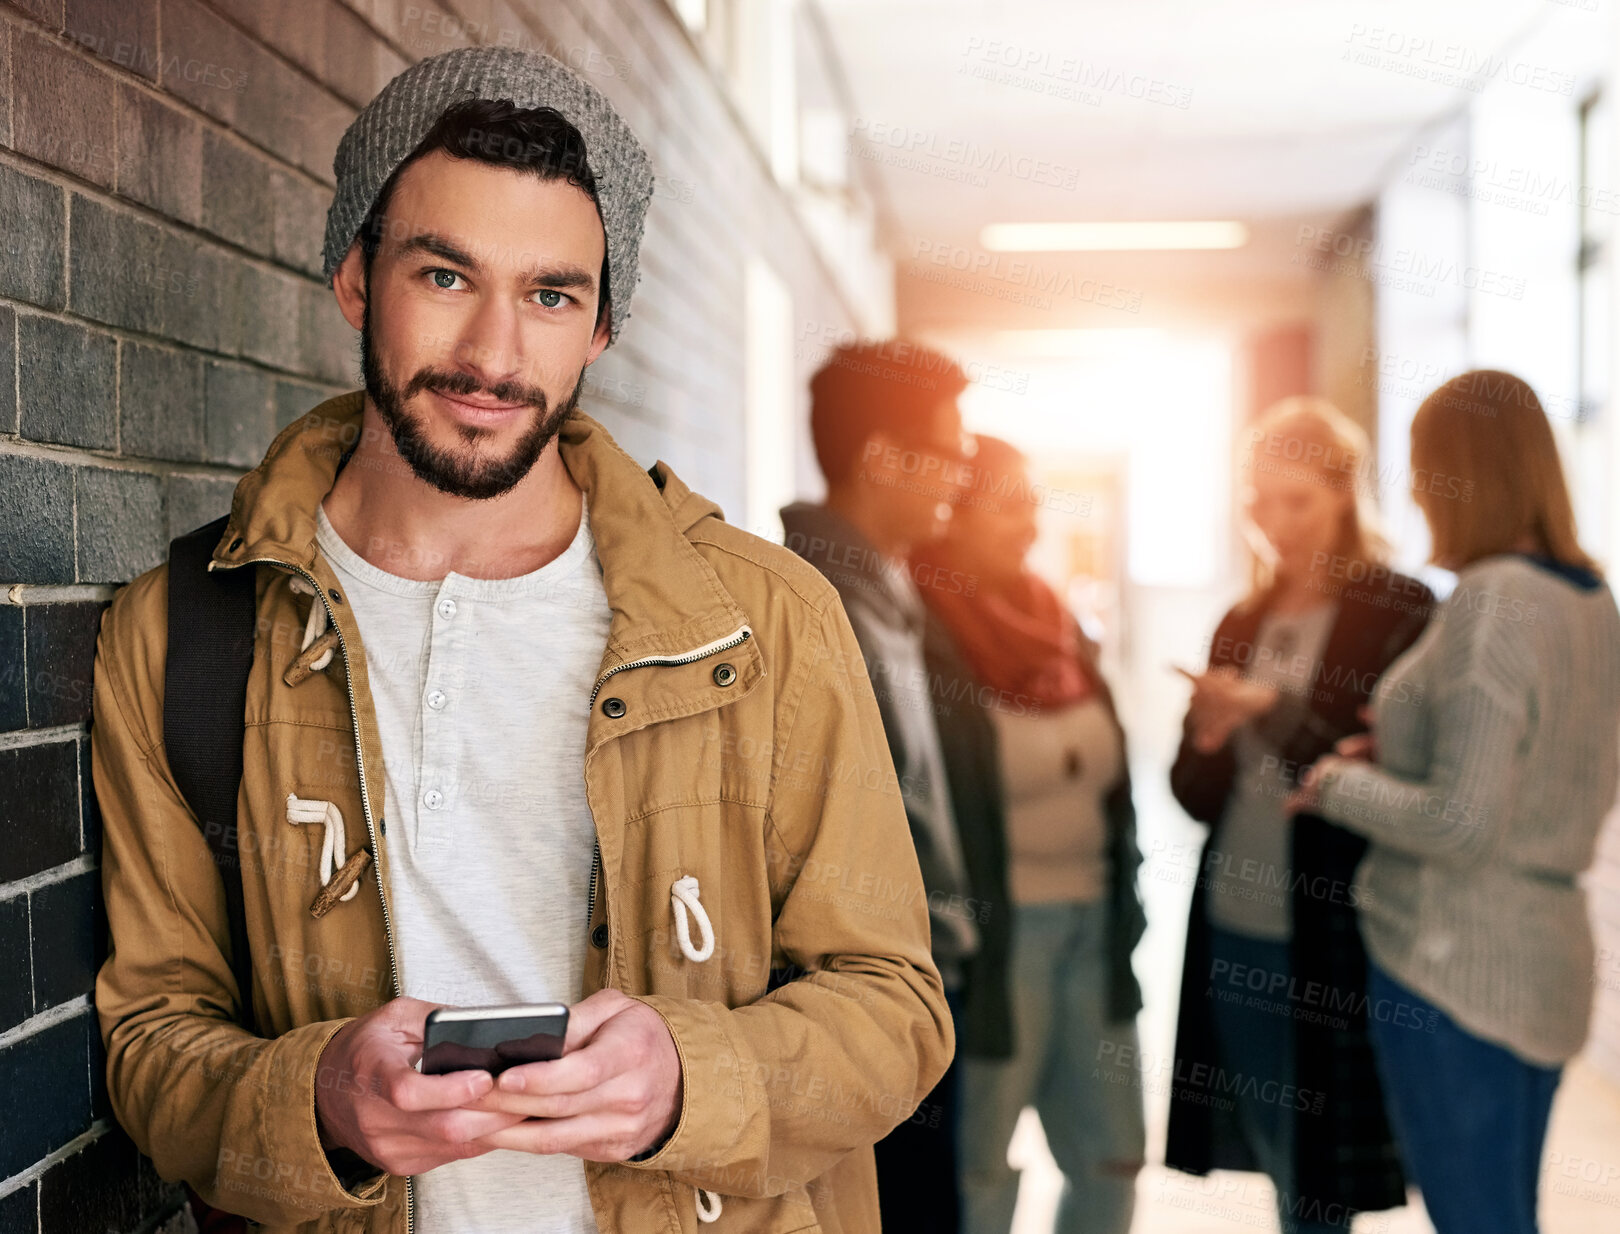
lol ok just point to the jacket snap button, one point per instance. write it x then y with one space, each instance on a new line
613 708
599 936
724 675
236 544
336 598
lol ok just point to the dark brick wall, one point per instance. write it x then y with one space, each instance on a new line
165 168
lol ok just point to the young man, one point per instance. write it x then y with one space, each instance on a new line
590 743
888 437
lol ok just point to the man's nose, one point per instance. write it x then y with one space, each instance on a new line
490 348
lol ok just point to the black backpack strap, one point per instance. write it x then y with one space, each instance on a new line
212 622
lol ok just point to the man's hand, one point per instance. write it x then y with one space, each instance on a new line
614 1093
370 1099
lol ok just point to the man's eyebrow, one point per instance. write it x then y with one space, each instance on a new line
438 246
560 276
542 275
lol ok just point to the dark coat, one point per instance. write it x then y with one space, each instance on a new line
1344 1151
968 739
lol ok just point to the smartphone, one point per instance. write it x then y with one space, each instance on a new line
492 1038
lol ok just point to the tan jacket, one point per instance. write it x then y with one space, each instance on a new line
817 1024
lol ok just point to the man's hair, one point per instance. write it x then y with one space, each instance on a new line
537 140
891 387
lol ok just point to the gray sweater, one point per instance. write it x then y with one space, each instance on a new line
1497 764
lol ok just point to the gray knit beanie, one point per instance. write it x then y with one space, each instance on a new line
395 122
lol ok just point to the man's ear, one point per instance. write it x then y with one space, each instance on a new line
600 337
349 286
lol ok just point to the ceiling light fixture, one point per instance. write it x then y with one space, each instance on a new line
1111 237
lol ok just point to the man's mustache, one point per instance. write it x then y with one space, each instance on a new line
465 384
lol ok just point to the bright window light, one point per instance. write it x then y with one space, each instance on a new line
1115 237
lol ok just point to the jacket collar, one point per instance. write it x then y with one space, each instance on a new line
666 599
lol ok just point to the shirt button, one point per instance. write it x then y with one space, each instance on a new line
447 608
433 799
436 699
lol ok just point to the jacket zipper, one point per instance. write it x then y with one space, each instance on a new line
365 802
686 657
689 657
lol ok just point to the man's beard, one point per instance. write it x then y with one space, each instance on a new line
450 472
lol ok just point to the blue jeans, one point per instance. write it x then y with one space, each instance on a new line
1077 1070
1470 1116
1254 1041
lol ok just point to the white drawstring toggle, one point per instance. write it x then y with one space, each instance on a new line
683 895
708 1206
334 849
315 624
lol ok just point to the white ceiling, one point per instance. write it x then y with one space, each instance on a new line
1280 120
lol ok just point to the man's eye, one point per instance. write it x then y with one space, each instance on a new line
549 298
445 279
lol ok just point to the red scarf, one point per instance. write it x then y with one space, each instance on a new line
1017 637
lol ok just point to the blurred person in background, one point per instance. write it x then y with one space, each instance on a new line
1273 1064
888 438
1482 787
1059 755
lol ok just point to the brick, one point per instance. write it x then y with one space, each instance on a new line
120 524
159 155
89 811
122 31
36 520
8 370
100 1107
33 240
188 278
235 192
67 930
39 817
62 109
114 254
195 500
327 40
160 403
68 384
299 226
13 685
16 971
330 347
128 272
18 1211
44 1092
293 399
240 423
217 68
207 61
61 656
5 95
107 1185
259 313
